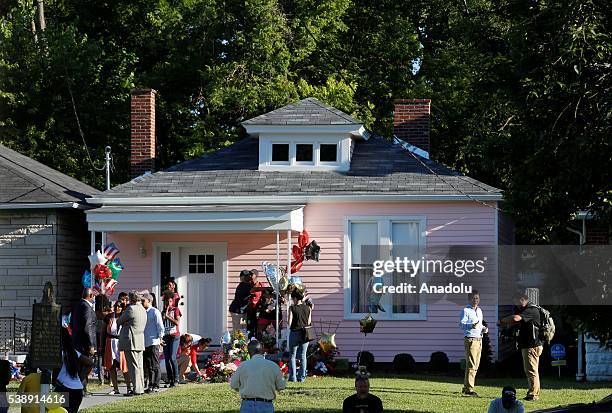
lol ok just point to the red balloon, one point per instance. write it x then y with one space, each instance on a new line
102 271
297 252
296 266
303 239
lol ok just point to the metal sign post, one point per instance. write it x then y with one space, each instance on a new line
557 351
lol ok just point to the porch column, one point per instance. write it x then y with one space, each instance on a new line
288 275
92 249
278 277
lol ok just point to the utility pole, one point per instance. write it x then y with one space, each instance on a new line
107 157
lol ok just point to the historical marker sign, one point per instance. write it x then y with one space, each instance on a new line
45 345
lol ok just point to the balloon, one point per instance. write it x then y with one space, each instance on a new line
272 274
110 251
312 251
297 252
303 239
102 271
58 409
66 320
86 279
108 286
95 259
327 341
116 267
367 324
296 265
283 283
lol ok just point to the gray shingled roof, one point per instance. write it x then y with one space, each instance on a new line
26 181
377 167
309 111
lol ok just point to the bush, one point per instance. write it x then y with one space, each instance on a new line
404 363
438 362
365 358
342 365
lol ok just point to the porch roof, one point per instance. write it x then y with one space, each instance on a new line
197 218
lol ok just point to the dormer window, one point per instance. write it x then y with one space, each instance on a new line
303 152
305 136
280 153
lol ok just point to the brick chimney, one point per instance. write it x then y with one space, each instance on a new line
411 121
142 143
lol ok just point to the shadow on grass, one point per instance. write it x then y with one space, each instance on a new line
548 382
311 391
319 410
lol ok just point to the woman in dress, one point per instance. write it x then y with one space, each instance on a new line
113 358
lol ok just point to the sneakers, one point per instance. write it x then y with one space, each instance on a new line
113 392
470 393
530 398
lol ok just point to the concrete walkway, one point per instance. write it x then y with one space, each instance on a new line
101 396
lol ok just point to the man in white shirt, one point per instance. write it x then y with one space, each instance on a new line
257 380
472 325
153 333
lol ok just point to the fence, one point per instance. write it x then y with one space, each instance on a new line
15 334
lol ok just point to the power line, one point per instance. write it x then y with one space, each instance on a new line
419 160
76 116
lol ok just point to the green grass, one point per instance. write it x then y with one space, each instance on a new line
405 394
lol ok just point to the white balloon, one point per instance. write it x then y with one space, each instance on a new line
95 259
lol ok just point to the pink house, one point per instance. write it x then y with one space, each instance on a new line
303 166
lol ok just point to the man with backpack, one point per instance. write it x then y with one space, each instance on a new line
530 340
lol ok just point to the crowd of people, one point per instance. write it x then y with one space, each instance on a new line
254 308
126 337
128 334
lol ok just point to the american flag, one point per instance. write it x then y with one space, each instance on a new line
110 251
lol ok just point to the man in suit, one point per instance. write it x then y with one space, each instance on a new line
131 340
83 324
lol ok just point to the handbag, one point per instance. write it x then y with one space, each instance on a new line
308 333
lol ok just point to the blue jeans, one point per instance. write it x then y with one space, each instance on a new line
296 346
251 406
170 350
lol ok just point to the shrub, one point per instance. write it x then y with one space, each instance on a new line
342 365
365 358
404 363
438 362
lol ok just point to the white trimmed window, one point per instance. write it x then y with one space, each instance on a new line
371 238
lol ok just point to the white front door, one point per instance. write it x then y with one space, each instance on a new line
201 282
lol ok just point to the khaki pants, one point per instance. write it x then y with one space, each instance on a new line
184 363
237 321
473 348
531 360
135 369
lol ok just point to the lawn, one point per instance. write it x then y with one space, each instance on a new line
405 394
